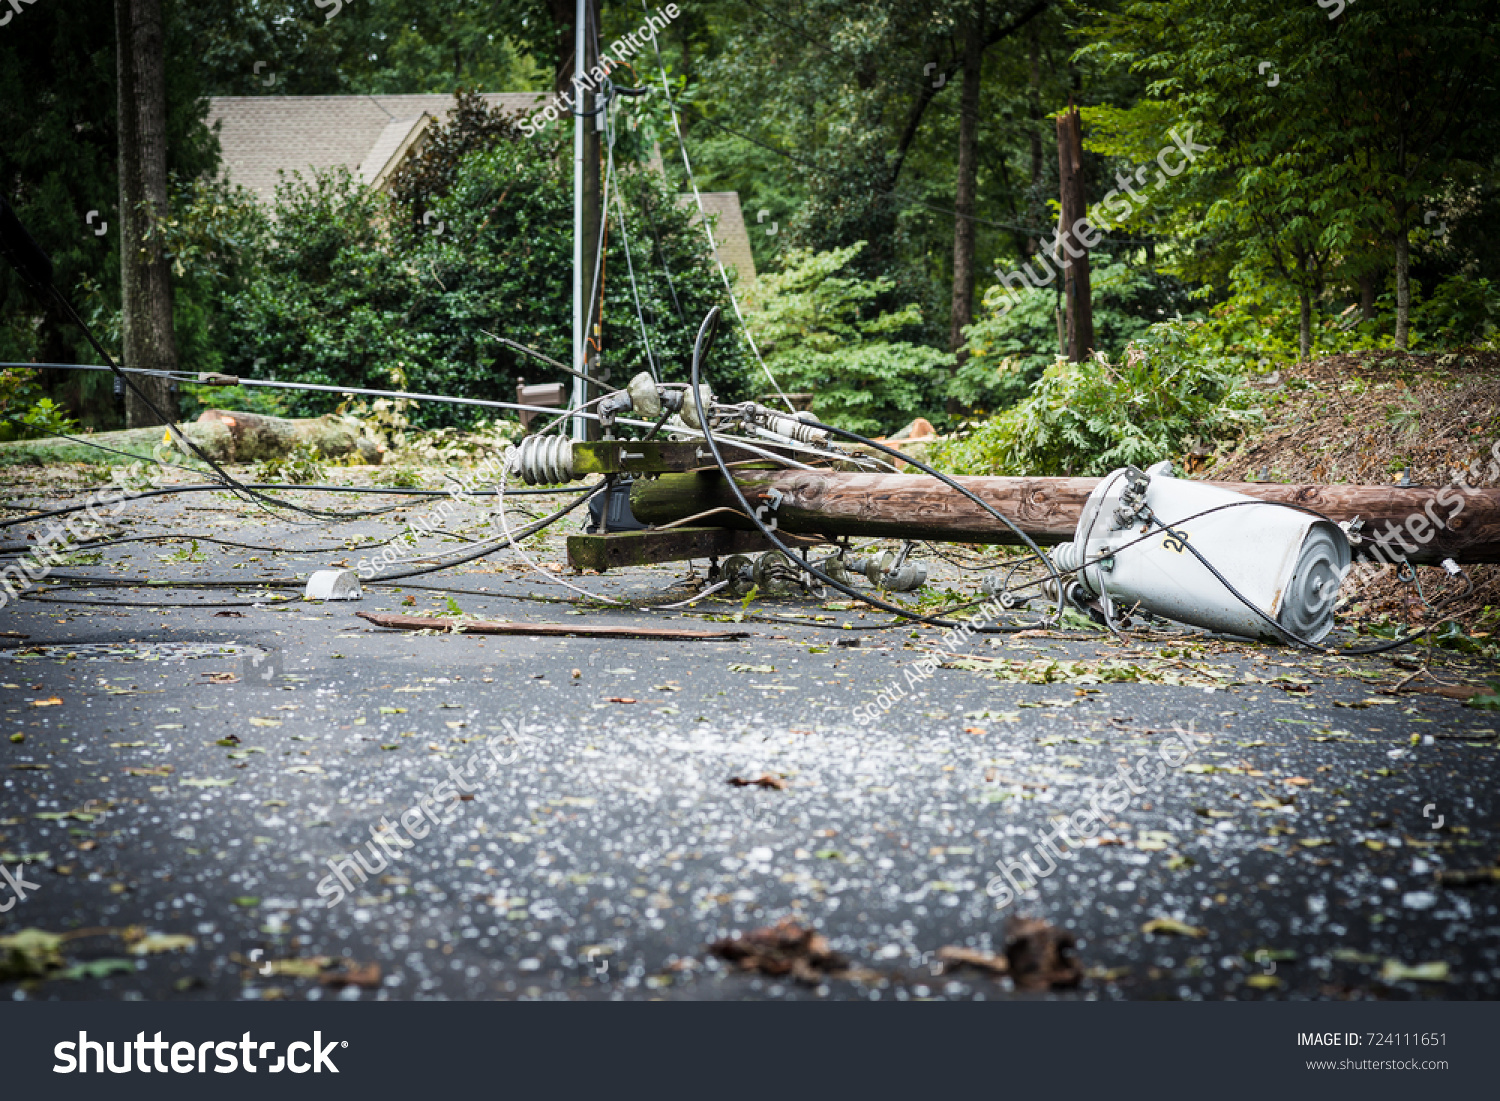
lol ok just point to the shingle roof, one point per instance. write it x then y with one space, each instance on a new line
261 135
731 235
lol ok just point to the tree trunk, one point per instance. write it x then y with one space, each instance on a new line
1304 325
1077 295
145 274
1403 281
562 61
1367 297
1035 209
963 203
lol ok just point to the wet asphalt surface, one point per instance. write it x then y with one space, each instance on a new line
202 788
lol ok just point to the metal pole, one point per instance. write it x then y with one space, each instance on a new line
580 277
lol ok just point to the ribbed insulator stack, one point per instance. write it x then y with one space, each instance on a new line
542 460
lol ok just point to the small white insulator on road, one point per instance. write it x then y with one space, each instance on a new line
333 585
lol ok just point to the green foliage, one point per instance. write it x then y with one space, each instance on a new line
820 329
354 290
185 554
58 159
303 465
29 414
872 388
403 476
1092 417
374 46
1011 346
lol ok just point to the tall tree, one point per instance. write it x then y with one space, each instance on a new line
147 337
964 229
1077 296
1417 111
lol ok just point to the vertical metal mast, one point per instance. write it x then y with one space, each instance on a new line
581 278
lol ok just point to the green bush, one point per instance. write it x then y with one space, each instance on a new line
1092 417
1016 341
354 291
28 415
873 388
821 332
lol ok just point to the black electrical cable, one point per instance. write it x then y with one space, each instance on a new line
518 346
316 387
216 487
1288 635
710 323
230 482
44 598
88 545
283 583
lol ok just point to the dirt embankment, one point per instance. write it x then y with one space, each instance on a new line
1380 418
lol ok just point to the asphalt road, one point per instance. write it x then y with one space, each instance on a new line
185 773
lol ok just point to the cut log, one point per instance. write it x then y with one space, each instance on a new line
224 436
1425 524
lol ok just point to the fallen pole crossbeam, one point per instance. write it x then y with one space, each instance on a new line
1421 524
555 630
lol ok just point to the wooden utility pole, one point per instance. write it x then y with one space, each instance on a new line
1077 295
964 230
145 274
914 506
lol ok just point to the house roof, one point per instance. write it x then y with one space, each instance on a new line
264 136
731 236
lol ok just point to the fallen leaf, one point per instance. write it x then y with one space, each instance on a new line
151 944
1396 971
366 976
764 780
1467 877
97 969
953 956
1165 926
785 948
29 953
1041 956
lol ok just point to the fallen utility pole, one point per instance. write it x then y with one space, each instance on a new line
1425 525
486 627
